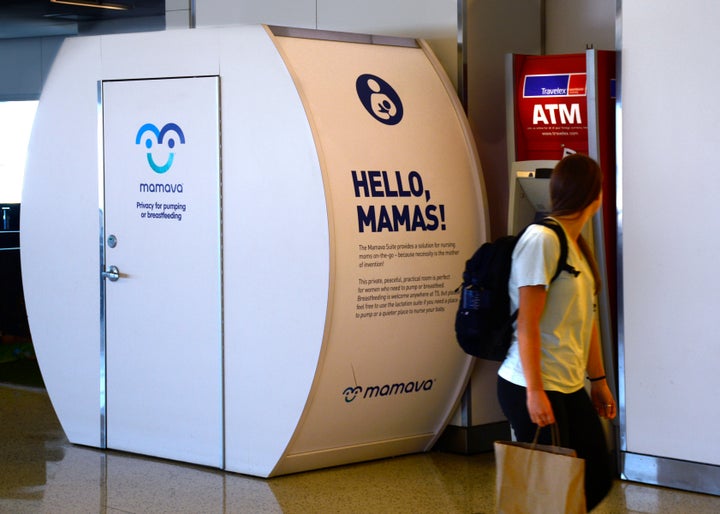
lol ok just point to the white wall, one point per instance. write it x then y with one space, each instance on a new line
25 63
432 20
495 29
290 13
571 25
671 187
488 39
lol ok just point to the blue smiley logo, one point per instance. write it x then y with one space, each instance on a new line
165 138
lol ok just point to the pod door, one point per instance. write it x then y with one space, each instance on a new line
161 277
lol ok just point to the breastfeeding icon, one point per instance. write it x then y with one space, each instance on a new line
379 99
381 104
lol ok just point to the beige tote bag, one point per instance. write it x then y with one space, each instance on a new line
538 479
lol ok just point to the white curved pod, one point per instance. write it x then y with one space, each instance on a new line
60 243
286 260
276 256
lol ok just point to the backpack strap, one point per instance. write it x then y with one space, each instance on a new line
562 264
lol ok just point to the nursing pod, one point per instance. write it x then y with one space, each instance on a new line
240 246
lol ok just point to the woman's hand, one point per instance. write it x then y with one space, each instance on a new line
603 400
540 409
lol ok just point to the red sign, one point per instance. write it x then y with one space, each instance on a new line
550 106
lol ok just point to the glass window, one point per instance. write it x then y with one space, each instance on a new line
16 120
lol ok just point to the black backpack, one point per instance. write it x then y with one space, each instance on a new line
483 323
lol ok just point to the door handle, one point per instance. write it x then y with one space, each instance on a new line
112 273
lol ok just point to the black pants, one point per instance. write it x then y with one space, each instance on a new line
580 429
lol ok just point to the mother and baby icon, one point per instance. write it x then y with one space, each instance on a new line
380 99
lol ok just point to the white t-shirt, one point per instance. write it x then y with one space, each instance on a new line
566 323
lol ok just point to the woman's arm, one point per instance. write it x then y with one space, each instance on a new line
532 303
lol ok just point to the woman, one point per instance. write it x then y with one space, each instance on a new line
556 343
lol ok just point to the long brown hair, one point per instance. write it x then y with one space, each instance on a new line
575 183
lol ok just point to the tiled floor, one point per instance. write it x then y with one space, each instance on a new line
41 472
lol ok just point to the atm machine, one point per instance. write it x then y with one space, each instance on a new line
561 104
555 105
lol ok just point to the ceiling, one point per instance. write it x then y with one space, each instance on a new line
41 18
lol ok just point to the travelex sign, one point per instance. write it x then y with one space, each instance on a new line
356 392
165 139
563 85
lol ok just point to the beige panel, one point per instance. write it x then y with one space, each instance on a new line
389 355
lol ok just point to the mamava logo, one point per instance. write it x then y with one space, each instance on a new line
414 386
164 141
379 99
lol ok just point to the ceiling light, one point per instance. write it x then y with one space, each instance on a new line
90 3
